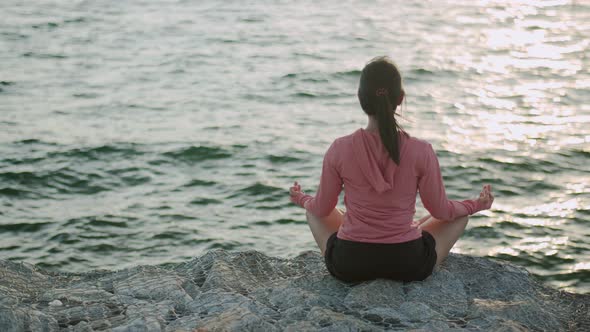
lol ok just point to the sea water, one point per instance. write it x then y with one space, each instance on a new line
149 132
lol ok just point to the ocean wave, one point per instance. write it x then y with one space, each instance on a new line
54 25
199 183
305 95
48 25
282 159
19 193
287 221
354 73
108 220
258 189
483 232
169 235
44 55
525 164
104 247
205 201
102 152
65 238
194 154
62 181
4 84
25 227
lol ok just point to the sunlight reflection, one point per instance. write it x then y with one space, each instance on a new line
581 266
582 84
503 250
524 6
533 244
504 38
539 222
579 187
545 51
557 209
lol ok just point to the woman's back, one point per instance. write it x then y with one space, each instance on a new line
380 196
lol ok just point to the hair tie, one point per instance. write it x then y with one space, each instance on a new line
381 92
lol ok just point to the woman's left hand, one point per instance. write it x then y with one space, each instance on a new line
295 192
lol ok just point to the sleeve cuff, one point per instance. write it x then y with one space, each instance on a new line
302 199
473 206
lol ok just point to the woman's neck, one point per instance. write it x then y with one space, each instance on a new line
372 125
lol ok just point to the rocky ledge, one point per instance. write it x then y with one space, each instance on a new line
249 291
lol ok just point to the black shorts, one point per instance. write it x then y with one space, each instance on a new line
359 261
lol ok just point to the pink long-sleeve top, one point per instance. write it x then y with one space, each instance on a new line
379 195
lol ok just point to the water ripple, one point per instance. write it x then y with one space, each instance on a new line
195 154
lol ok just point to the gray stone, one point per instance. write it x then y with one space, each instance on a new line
11 320
82 295
248 291
186 323
527 311
329 320
153 285
294 314
481 280
287 296
419 312
376 293
238 319
141 324
7 300
495 323
214 303
80 327
39 321
442 291
300 326
438 326
388 317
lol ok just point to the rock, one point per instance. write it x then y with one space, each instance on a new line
144 324
20 320
328 320
39 321
238 319
528 311
376 293
214 303
388 317
11 320
55 303
419 312
441 285
86 294
248 291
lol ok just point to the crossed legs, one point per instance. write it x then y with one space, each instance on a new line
446 233
322 228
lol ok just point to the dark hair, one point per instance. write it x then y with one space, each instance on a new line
380 90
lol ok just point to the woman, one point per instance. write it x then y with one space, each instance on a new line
382 168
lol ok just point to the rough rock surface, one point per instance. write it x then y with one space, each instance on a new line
248 291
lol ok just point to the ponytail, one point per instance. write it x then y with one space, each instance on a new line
380 91
384 114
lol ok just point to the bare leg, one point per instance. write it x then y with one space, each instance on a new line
322 228
446 233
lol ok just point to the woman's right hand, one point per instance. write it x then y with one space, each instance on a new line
295 191
486 198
